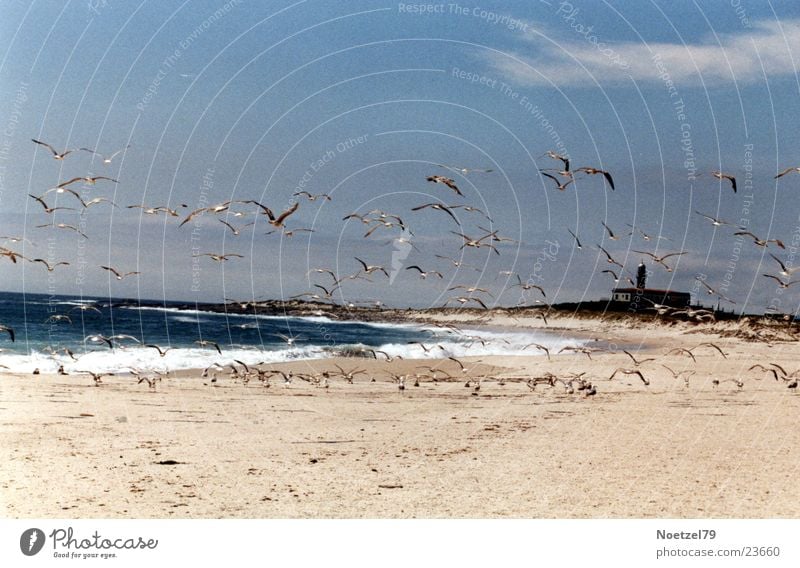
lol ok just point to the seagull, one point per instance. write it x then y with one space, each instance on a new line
683 350
438 207
721 176
423 273
277 222
637 362
106 160
612 273
325 271
369 269
559 185
609 257
48 209
577 241
155 210
630 372
660 259
349 375
162 352
312 197
711 291
63 226
786 171
9 331
384 224
761 242
784 270
290 233
328 293
119 275
11 254
97 377
470 289
56 155
611 234
714 221
477 243
709 344
219 257
525 286
151 382
57 318
97 338
645 236
471 209
86 308
463 301
446 181
95 201
585 350
88 179
454 262
540 347
234 229
593 171
783 285
555 156
204 342
465 171
50 267
213 209
289 339
769 370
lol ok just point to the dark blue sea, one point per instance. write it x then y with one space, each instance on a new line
250 338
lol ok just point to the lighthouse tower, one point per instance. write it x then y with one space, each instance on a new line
641 277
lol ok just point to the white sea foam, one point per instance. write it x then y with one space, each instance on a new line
143 359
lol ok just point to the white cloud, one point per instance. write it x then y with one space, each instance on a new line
768 48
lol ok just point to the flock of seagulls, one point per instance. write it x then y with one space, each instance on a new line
454 211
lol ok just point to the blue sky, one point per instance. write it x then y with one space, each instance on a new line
239 100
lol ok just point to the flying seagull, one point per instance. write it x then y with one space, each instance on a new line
446 181
56 155
730 178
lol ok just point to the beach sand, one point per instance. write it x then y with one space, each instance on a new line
192 449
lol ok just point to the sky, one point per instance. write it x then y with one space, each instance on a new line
363 100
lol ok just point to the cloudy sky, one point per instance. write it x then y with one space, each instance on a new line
363 100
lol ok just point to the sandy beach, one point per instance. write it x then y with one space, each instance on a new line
194 449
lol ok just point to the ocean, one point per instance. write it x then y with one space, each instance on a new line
250 338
